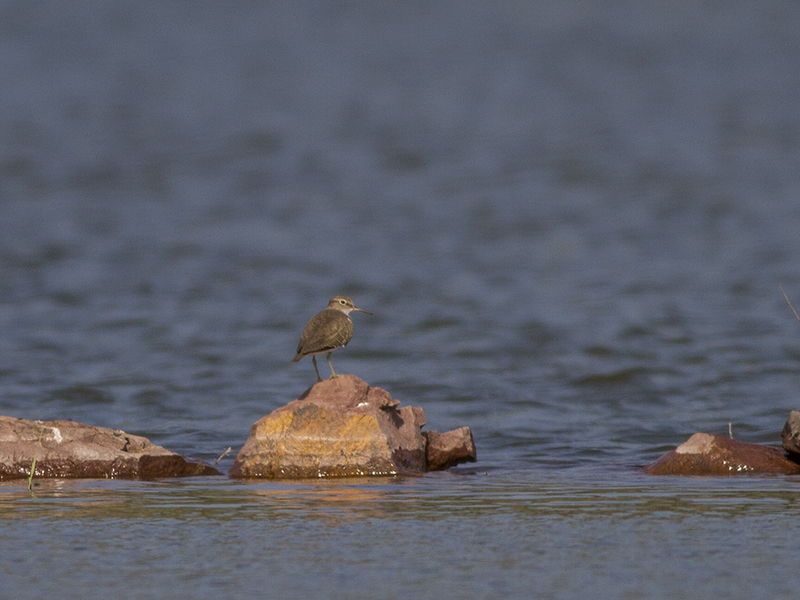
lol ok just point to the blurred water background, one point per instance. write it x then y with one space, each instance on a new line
570 220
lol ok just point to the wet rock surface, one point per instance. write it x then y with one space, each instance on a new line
791 434
710 454
69 449
444 450
343 427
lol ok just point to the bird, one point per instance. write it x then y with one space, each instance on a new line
327 331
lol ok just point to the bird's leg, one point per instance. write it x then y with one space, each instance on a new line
333 373
314 360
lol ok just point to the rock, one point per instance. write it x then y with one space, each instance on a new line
339 427
708 454
447 449
791 433
69 449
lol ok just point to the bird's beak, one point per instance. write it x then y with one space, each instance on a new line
355 308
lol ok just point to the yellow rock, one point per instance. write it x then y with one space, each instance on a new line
340 427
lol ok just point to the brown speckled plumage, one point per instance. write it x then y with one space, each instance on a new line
326 331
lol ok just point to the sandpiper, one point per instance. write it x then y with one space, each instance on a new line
327 331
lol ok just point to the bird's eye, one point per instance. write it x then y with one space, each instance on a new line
342 302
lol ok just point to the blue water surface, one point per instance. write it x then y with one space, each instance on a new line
570 221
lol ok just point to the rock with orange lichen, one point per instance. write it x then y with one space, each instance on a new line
69 449
341 427
709 454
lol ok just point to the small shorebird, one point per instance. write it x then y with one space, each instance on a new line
327 331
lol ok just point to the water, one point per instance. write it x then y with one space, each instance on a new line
570 221
517 534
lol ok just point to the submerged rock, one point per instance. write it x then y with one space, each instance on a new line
344 427
709 454
69 449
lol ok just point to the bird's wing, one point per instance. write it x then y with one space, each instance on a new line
325 331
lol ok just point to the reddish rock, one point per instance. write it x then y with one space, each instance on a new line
339 427
791 434
708 454
447 449
69 449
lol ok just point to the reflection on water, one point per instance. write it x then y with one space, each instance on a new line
471 534
436 496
